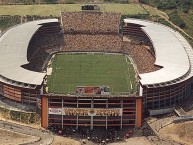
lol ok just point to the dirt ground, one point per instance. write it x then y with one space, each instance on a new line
131 141
12 138
180 132
64 141
134 141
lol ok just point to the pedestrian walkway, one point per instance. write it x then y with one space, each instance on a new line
46 137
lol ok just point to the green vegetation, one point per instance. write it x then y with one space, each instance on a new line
161 4
23 117
118 1
58 1
6 22
32 1
9 21
188 19
180 12
161 17
164 22
174 17
72 70
136 16
172 6
55 9
186 5
11 14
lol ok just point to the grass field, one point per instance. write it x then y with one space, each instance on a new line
55 9
72 70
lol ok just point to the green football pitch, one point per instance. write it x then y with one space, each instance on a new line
72 70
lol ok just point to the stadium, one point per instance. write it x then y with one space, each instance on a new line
90 69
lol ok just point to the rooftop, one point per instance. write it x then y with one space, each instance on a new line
13 49
170 51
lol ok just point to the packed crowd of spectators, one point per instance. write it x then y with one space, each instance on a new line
41 45
142 56
90 22
87 42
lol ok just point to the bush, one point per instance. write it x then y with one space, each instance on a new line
185 5
4 112
8 21
164 22
174 17
15 115
25 117
35 118
118 1
167 5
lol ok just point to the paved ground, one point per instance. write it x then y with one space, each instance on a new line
60 140
45 137
13 138
156 124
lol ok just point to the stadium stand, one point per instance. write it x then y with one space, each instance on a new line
90 22
96 31
171 84
91 31
87 42
142 57
45 41
163 58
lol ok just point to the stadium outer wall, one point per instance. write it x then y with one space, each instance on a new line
20 94
168 96
97 111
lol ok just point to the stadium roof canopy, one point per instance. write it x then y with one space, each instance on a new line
172 52
13 53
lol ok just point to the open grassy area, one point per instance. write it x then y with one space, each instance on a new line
55 9
72 70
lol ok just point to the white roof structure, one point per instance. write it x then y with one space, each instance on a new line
13 54
172 52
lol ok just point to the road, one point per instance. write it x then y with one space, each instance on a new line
46 138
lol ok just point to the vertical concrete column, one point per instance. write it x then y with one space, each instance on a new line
106 115
44 115
138 118
62 114
91 123
77 116
121 127
91 118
